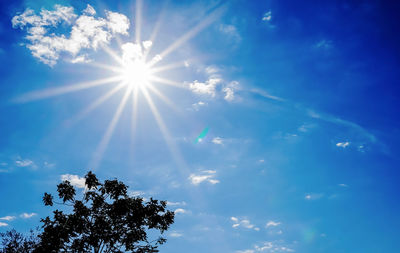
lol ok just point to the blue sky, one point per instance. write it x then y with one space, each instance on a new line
297 102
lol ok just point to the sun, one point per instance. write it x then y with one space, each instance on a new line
136 73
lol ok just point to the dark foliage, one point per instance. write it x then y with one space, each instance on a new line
104 220
14 242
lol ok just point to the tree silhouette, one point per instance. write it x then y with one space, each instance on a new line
106 219
15 242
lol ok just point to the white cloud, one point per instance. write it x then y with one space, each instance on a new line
175 234
217 140
272 224
182 203
87 31
8 218
206 88
343 185
245 251
267 16
231 31
269 247
81 59
2 224
180 211
25 163
204 176
313 196
342 144
75 180
245 223
229 90
27 215
196 106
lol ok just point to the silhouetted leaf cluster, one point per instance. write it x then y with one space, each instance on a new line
105 219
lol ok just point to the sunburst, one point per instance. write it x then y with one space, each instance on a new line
136 75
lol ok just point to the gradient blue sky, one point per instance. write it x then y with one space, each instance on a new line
300 99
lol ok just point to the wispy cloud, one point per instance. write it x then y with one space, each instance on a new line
204 176
175 234
313 196
217 140
342 144
231 31
87 31
25 163
8 218
27 215
2 224
272 224
180 211
268 247
267 16
245 223
75 180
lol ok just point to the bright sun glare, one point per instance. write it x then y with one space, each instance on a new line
136 73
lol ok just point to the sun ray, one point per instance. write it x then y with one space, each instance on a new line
110 130
111 53
138 26
156 29
167 82
168 67
135 97
164 98
164 130
191 33
95 104
51 92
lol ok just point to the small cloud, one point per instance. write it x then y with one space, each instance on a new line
27 215
229 91
267 16
272 224
217 140
313 196
204 176
245 223
136 193
261 161
180 211
324 44
8 218
343 185
49 165
231 31
198 105
25 163
206 88
342 144
182 203
2 224
175 234
75 180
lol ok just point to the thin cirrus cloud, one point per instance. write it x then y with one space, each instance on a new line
24 163
87 31
245 223
204 176
27 215
8 218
